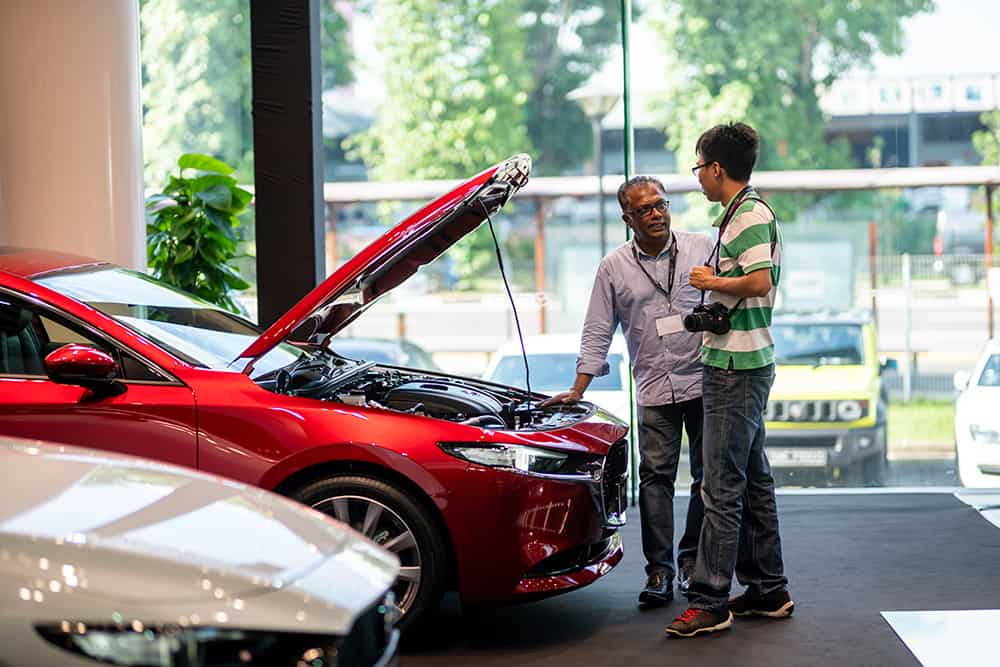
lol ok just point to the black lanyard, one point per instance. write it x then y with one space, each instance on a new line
738 200
671 267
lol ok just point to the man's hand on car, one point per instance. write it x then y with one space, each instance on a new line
571 396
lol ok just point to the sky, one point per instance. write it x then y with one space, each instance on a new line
959 37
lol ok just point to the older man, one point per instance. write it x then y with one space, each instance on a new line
643 286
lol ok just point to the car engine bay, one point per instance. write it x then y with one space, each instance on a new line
330 377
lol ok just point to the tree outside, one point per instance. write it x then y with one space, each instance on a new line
761 62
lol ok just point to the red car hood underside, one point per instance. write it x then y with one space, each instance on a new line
395 256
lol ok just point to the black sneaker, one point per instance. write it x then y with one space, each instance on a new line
776 604
700 621
659 590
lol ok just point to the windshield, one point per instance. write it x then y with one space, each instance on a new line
818 344
192 330
990 376
553 372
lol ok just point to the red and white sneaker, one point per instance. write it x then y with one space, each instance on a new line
700 621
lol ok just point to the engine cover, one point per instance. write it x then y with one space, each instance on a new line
441 399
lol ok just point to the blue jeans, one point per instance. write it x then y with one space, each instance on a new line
740 531
659 452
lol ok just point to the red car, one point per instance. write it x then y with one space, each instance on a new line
470 483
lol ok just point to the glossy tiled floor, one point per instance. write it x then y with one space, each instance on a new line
949 638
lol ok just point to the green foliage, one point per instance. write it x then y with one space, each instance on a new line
760 62
456 82
192 230
196 75
567 41
987 142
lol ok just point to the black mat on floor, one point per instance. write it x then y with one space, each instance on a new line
848 558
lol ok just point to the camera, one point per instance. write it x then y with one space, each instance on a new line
712 317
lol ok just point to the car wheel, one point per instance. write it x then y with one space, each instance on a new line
874 468
393 519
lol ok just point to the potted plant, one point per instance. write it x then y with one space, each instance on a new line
191 230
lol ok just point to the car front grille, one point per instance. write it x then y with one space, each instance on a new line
614 483
808 411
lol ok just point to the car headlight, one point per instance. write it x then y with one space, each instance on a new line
509 457
849 411
984 434
164 646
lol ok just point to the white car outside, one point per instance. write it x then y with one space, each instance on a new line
977 421
552 360
112 559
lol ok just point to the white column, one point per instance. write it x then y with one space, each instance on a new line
71 128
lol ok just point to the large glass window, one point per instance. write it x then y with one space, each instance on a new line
884 289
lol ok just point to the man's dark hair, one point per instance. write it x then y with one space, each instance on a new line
734 146
634 181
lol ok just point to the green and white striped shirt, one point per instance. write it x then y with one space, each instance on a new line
746 247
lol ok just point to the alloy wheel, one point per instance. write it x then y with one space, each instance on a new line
386 528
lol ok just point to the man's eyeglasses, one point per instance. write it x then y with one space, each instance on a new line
647 210
694 169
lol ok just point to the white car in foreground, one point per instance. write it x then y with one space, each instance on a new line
977 421
116 560
552 360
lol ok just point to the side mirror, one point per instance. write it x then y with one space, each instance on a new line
86 367
961 380
888 364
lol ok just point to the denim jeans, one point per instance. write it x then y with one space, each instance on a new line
740 530
659 452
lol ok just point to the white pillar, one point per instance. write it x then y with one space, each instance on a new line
71 128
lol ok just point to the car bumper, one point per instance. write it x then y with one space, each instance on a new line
825 450
978 463
536 536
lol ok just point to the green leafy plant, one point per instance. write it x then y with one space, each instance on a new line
191 230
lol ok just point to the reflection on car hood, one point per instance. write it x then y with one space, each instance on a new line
397 255
806 382
78 526
979 405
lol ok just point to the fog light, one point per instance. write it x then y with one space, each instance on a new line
865 441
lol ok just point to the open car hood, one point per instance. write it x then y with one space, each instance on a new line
395 256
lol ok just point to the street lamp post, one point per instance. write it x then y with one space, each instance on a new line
597 98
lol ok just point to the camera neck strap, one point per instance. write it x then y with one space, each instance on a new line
744 195
671 268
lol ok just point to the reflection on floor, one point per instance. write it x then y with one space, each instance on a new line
949 638
987 503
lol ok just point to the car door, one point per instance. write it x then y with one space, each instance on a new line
154 417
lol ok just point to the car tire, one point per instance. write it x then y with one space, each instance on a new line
394 519
874 468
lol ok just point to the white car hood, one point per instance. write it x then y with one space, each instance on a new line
979 405
160 543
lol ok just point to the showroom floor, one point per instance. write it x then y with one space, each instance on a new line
849 558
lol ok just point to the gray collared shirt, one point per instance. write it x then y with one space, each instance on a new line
667 369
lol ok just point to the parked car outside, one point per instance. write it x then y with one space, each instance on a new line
472 485
977 420
394 352
552 363
117 560
959 245
827 410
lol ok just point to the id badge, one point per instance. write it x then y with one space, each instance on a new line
669 325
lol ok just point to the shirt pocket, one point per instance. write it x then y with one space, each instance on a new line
687 296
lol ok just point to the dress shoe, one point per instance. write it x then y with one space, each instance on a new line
684 580
659 590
